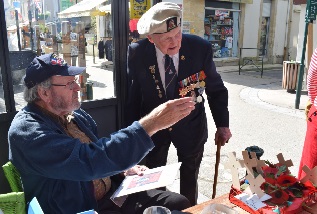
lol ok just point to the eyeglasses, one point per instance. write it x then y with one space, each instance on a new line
69 85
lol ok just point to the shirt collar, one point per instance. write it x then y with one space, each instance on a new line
160 56
67 118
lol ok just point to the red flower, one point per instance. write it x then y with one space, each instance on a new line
286 180
269 185
287 193
269 171
279 196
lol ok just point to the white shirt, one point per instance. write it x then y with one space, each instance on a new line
161 61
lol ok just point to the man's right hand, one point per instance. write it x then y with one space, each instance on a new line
167 114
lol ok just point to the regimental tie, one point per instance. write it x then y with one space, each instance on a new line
170 77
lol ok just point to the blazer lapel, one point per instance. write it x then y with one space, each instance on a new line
153 71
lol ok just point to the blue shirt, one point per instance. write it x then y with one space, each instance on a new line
58 169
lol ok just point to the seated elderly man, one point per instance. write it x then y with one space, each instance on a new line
63 163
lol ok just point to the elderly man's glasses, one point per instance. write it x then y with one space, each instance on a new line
69 85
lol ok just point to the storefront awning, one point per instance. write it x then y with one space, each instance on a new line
83 8
107 8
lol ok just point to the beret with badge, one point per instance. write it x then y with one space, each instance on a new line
161 18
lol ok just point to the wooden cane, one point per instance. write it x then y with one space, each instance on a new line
216 169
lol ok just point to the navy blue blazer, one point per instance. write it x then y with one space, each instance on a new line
144 84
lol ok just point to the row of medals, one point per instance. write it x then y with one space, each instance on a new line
195 81
183 91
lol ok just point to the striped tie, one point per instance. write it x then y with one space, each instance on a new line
170 77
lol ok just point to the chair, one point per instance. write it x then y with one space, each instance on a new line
13 202
13 177
258 59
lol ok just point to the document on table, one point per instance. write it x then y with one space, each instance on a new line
152 178
253 201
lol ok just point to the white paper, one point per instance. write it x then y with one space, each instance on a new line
152 178
252 201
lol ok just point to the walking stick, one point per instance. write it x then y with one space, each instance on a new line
216 169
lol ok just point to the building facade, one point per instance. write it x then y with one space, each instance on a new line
264 26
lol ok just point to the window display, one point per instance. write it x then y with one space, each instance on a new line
219 31
70 29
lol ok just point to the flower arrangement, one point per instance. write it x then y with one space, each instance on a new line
287 192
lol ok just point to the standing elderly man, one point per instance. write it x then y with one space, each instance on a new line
168 65
63 163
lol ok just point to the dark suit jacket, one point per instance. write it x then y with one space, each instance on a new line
101 46
189 134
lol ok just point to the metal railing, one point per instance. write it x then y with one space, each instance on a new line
257 60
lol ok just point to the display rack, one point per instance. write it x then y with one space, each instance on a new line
219 32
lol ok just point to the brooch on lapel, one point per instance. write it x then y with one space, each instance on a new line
189 84
152 70
182 57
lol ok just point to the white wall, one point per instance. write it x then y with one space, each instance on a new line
293 34
301 33
251 27
280 28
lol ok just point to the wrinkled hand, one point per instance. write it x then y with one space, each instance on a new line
136 170
167 114
222 135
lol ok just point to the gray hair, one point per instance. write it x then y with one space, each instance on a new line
31 95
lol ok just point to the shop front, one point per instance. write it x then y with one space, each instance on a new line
222 27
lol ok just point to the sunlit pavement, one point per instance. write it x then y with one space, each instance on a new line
261 114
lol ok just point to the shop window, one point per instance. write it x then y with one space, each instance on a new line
219 28
80 31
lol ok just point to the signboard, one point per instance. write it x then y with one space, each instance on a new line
138 8
239 1
223 13
311 10
66 4
186 27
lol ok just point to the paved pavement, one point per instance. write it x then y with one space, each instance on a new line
262 113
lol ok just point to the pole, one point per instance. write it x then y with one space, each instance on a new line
18 28
31 29
93 53
310 16
301 72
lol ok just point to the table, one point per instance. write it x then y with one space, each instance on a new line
224 199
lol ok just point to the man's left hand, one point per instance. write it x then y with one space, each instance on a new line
136 170
222 136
